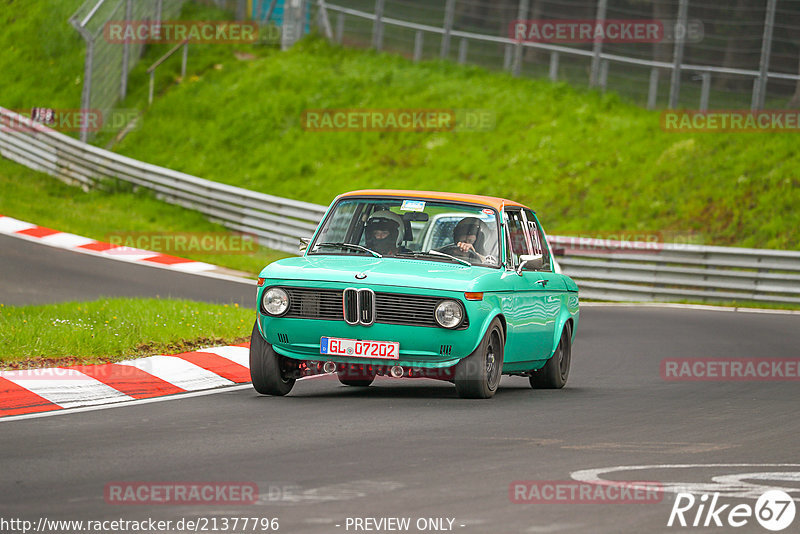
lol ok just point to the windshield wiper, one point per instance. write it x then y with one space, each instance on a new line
350 246
435 253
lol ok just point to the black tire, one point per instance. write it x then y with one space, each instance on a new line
265 367
556 371
355 378
478 375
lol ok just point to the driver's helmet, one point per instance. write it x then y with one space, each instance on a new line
383 232
471 226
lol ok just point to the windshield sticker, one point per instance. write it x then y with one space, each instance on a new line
413 205
487 211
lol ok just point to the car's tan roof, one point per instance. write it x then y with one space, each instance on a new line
494 202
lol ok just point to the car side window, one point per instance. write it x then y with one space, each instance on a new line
537 239
517 237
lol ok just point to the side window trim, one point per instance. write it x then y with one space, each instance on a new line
511 253
536 230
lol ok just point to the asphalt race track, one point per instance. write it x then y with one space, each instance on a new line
411 448
34 273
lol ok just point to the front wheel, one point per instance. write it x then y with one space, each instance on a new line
556 371
265 367
478 375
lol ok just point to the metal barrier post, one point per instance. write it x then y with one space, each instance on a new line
377 25
126 51
603 75
324 20
449 16
705 90
597 50
152 88
184 59
553 66
462 50
522 14
86 92
340 28
418 37
680 41
652 91
760 86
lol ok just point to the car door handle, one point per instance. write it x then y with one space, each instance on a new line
543 282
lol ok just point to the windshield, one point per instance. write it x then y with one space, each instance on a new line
411 228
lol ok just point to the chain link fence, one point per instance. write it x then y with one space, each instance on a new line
737 54
108 64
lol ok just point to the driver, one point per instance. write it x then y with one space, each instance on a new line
382 233
468 240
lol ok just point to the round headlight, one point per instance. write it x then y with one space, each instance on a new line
449 313
275 301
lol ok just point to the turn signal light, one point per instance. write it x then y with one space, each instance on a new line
473 296
261 281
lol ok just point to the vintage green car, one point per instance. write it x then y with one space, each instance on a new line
417 284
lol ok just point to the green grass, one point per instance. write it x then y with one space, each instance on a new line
42 59
586 162
43 200
114 329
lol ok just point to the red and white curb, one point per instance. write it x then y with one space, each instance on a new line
54 238
44 390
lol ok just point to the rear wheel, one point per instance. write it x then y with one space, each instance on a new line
356 377
265 367
556 371
478 375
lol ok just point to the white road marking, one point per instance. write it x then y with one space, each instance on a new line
728 485
334 492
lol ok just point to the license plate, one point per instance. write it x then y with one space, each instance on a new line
385 350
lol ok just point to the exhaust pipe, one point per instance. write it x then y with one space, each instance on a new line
397 371
329 367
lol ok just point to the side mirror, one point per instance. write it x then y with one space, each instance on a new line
530 261
304 242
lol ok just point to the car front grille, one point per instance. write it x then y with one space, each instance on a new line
314 303
338 305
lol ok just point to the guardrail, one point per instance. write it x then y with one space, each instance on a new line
278 222
604 269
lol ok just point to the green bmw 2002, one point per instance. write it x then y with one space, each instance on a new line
417 284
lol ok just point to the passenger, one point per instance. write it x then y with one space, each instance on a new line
384 231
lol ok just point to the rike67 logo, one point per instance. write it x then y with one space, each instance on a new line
774 510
